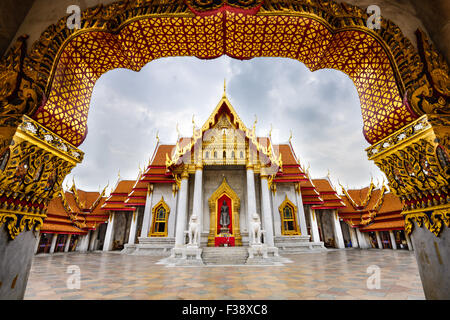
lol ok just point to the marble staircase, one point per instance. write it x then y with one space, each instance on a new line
297 244
225 255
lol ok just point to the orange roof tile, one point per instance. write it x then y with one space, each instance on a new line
60 228
384 226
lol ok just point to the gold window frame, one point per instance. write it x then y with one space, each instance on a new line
155 220
284 232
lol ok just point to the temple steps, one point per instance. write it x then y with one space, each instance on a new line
224 255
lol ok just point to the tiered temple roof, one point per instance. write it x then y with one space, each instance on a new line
372 209
117 198
331 200
75 212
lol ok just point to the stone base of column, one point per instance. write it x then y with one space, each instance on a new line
15 263
433 259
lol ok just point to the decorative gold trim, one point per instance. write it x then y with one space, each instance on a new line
16 222
434 220
224 188
289 203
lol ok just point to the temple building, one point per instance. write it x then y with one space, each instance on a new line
373 215
225 181
75 222
224 178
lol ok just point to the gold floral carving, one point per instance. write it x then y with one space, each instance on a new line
32 169
434 221
17 92
431 93
417 164
15 224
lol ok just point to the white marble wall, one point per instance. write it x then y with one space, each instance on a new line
212 179
283 190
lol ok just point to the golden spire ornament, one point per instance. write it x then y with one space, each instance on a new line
224 87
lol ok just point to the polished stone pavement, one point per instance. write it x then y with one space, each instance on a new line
336 274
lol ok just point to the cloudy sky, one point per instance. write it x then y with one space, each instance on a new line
128 108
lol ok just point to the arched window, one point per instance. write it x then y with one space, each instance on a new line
207 155
160 214
288 213
215 154
241 154
232 154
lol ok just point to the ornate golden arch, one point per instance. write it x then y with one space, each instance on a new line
296 230
60 72
160 204
52 82
224 188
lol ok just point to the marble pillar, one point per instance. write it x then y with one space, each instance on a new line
393 243
109 236
36 247
93 240
379 242
408 241
362 240
301 215
338 236
353 237
53 245
147 213
182 210
197 205
67 245
133 227
266 212
251 195
314 229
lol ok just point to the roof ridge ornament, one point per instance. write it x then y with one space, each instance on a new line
224 87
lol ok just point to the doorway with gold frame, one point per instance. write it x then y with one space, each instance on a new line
224 193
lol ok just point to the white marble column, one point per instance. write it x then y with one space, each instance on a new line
408 241
266 211
182 210
147 212
338 236
197 205
53 245
93 240
86 241
109 236
393 243
361 240
67 245
251 196
353 237
313 224
36 247
301 215
133 227
379 242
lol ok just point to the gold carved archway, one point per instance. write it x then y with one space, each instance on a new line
289 221
224 189
52 83
160 219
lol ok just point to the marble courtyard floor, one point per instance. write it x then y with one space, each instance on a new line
336 274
